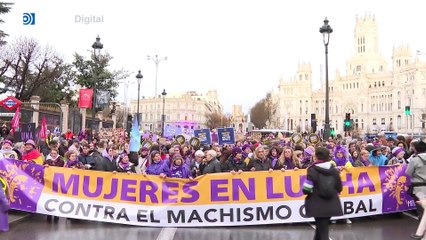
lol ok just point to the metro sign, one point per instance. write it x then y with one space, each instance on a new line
10 103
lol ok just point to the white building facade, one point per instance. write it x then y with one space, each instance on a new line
374 96
183 110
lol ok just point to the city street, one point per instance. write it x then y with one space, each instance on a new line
36 227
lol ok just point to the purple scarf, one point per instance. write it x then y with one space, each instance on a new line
179 171
340 161
289 163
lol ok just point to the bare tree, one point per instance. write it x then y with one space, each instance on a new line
217 120
264 112
26 67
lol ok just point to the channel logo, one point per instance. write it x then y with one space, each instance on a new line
28 19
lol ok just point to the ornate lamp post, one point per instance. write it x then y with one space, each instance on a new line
97 46
139 78
326 30
163 117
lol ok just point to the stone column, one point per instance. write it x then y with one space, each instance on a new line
100 116
35 100
83 118
114 121
65 113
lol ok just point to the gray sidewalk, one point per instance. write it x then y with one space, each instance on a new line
16 216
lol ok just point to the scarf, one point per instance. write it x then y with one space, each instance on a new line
124 166
71 164
288 162
31 155
176 171
340 161
365 162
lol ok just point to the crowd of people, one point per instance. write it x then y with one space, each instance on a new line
186 161
272 153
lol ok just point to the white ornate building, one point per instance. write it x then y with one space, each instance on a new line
183 110
374 96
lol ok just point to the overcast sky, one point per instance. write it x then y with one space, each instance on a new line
239 47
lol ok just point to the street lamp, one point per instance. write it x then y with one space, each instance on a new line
326 30
156 60
97 46
163 117
139 78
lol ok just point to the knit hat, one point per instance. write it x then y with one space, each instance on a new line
7 141
245 146
144 149
31 142
308 151
236 150
397 150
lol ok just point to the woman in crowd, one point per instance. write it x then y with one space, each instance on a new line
157 166
31 153
362 160
235 162
274 154
178 168
71 160
260 162
287 160
341 158
54 159
397 156
376 157
7 150
124 164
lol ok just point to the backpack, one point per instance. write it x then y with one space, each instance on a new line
326 186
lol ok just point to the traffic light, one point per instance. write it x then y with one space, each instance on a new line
332 132
347 122
313 122
407 110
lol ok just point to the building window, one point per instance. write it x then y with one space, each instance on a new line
374 121
383 122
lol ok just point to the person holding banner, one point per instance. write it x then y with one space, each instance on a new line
235 162
157 166
124 164
211 163
322 186
260 162
196 164
178 168
287 160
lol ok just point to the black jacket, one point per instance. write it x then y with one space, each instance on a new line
317 206
259 165
231 164
211 167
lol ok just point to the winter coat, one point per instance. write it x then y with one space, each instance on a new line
232 164
156 168
213 166
259 165
379 160
58 162
181 171
315 205
87 160
130 167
